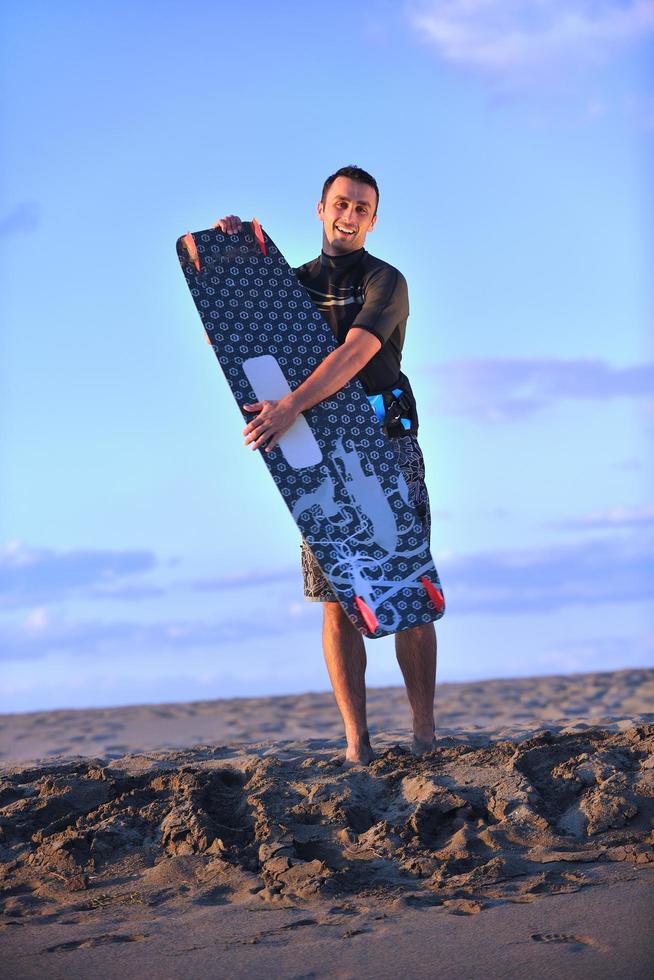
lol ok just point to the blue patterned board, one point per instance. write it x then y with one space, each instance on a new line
336 470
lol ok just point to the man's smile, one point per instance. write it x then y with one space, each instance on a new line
345 231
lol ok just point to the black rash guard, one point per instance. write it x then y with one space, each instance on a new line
359 290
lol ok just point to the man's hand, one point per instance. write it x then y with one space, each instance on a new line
230 225
274 419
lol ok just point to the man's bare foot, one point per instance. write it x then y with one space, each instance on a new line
359 752
423 743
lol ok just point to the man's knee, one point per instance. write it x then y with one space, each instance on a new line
424 633
423 629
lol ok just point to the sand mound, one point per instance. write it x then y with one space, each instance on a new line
504 708
464 827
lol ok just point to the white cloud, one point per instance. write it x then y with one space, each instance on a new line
582 573
514 36
247 578
42 575
615 517
589 573
501 389
37 620
43 634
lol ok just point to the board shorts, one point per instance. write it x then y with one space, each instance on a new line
412 464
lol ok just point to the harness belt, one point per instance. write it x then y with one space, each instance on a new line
393 408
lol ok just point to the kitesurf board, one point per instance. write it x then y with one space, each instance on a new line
335 468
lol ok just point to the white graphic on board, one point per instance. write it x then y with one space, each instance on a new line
359 557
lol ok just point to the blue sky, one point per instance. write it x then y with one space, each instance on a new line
145 552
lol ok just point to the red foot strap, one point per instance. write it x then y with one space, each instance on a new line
258 234
367 614
434 594
192 249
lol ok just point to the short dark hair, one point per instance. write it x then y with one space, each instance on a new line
353 173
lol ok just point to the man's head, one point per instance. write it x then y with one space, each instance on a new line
347 209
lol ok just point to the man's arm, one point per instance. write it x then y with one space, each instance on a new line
340 366
274 418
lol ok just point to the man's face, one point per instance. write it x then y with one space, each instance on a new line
347 216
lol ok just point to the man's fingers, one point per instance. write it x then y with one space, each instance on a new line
259 437
229 225
255 436
259 442
262 428
262 440
254 425
256 421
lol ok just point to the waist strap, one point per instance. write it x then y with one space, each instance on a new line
393 409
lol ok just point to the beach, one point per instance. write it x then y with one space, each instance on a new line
227 838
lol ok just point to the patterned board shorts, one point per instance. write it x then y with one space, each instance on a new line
316 586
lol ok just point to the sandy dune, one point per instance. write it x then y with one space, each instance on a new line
529 829
511 708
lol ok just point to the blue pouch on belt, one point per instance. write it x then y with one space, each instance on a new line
393 408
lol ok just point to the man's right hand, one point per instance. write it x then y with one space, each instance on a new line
230 225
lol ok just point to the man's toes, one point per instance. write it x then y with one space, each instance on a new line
421 746
361 757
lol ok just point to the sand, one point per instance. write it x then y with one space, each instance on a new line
226 838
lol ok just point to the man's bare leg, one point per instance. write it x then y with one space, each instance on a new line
416 654
345 656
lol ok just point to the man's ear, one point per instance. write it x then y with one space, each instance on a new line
321 210
372 224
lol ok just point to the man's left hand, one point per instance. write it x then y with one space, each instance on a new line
274 418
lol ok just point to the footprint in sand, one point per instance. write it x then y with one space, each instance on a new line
562 937
91 941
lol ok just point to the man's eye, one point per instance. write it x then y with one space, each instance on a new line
362 210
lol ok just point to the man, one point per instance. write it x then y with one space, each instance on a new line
365 302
